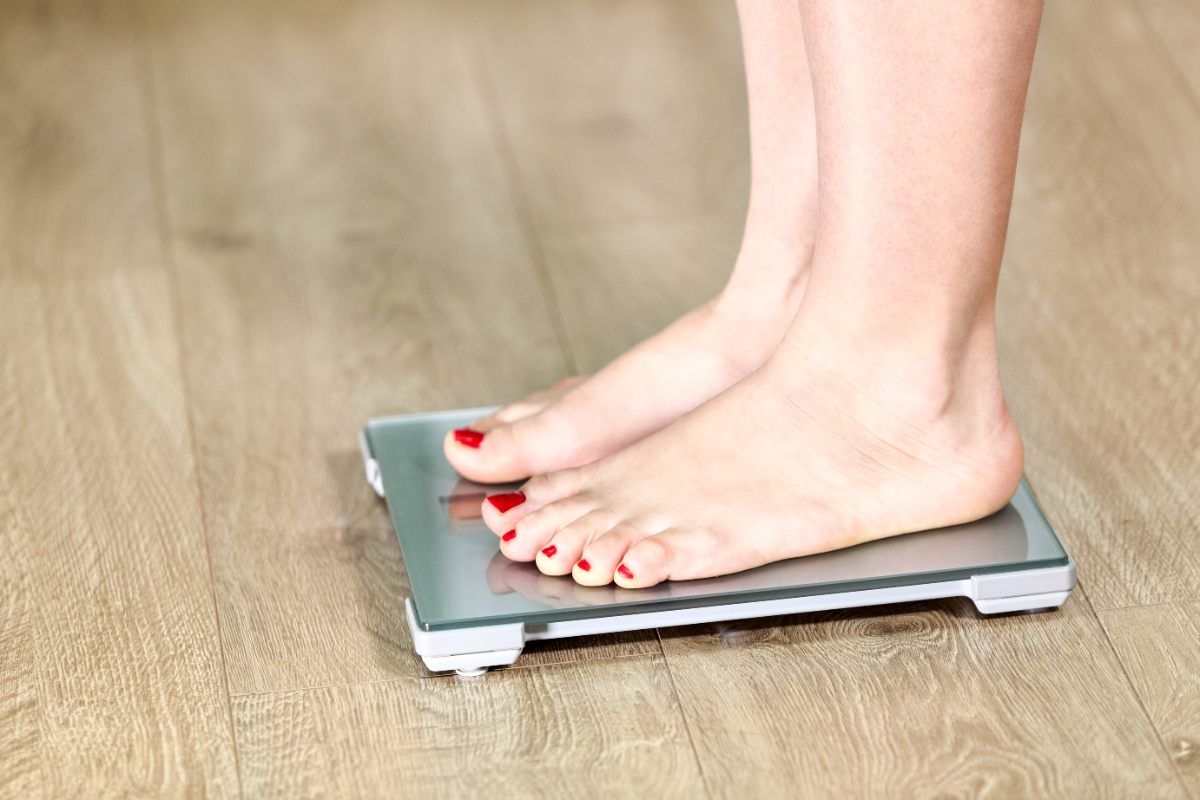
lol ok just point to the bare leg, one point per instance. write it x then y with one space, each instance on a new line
881 412
709 349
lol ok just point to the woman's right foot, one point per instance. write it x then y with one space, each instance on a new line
580 420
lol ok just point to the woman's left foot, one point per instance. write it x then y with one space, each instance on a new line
822 448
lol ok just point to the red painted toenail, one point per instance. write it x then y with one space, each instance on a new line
549 552
584 565
508 537
625 572
468 437
503 502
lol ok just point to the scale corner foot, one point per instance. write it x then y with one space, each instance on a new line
1030 602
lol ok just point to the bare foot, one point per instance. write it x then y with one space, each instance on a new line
580 420
823 447
716 345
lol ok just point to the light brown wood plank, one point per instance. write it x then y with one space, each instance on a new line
1098 314
1177 23
620 111
74 192
621 283
1157 645
600 729
111 680
346 241
916 702
329 608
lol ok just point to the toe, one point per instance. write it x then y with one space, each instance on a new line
511 451
533 532
486 454
564 549
553 486
605 552
502 511
675 554
527 406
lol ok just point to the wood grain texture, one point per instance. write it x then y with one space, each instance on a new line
1157 645
1100 304
620 111
376 207
346 241
916 702
111 680
597 729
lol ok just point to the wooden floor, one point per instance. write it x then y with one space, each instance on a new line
231 232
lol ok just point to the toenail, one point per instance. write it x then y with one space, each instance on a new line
584 565
503 502
549 552
508 537
625 572
468 437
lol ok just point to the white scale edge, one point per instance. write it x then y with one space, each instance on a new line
471 651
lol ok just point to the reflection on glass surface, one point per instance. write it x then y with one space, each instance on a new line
459 577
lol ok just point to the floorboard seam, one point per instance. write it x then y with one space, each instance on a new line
1137 698
687 725
148 91
605 659
1176 602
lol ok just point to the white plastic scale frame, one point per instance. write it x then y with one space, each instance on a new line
471 649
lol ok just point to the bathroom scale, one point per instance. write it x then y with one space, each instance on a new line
471 608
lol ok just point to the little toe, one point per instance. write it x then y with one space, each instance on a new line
678 554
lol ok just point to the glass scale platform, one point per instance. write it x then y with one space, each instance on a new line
471 608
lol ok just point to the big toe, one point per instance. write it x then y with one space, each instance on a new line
526 406
508 451
490 455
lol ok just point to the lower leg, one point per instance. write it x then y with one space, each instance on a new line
715 345
782 213
919 115
881 411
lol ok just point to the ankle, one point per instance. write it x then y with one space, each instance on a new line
918 379
768 281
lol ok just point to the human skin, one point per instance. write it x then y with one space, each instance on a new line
880 411
580 420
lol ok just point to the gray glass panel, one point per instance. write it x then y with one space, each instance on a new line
460 579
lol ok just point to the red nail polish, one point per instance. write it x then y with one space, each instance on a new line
584 565
508 537
468 437
503 502
549 551
625 572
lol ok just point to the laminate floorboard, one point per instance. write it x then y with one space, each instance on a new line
111 676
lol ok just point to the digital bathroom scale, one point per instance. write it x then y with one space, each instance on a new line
471 608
